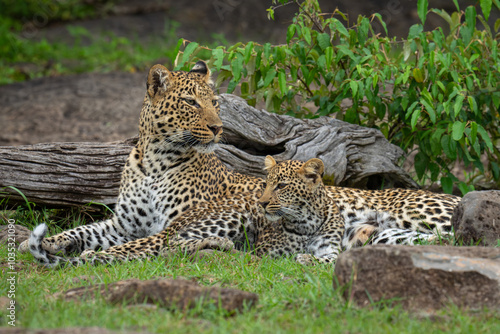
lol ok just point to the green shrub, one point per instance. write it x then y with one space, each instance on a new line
432 92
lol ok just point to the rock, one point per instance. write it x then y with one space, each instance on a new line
18 233
167 293
476 219
4 302
421 278
83 279
74 330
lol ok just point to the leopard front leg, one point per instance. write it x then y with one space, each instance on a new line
191 246
219 228
137 249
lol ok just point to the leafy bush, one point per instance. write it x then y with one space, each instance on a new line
433 92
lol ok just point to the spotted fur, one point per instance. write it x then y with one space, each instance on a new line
294 198
170 170
293 215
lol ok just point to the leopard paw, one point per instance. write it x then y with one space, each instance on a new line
305 259
88 253
222 244
23 247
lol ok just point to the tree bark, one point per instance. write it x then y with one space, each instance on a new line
74 174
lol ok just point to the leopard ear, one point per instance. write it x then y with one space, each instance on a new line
269 162
202 69
312 171
157 80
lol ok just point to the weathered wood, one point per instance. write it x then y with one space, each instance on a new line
68 174
63 174
353 155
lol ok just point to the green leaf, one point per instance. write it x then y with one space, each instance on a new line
290 32
271 74
244 89
248 52
345 51
218 55
270 14
414 119
354 88
470 18
444 15
422 6
363 28
329 56
464 188
410 109
340 28
485 136
415 30
447 184
458 104
458 130
473 104
231 86
251 66
495 170
188 51
323 41
473 132
282 82
237 66
306 33
436 141
406 50
267 50
449 147
430 110
421 163
377 15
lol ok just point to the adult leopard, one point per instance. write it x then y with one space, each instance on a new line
172 169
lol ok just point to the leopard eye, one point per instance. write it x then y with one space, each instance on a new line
215 103
191 102
280 186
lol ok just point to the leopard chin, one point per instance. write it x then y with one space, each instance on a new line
206 148
272 216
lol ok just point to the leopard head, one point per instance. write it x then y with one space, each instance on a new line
291 188
181 108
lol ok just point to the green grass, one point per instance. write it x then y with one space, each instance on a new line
293 298
22 59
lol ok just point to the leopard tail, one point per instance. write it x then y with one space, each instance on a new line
41 255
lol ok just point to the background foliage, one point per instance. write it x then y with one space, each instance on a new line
435 92
25 54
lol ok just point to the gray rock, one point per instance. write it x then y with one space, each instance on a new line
476 219
421 278
20 234
167 293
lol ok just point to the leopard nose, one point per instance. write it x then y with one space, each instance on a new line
215 129
263 204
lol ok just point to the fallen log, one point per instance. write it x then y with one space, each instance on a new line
75 174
